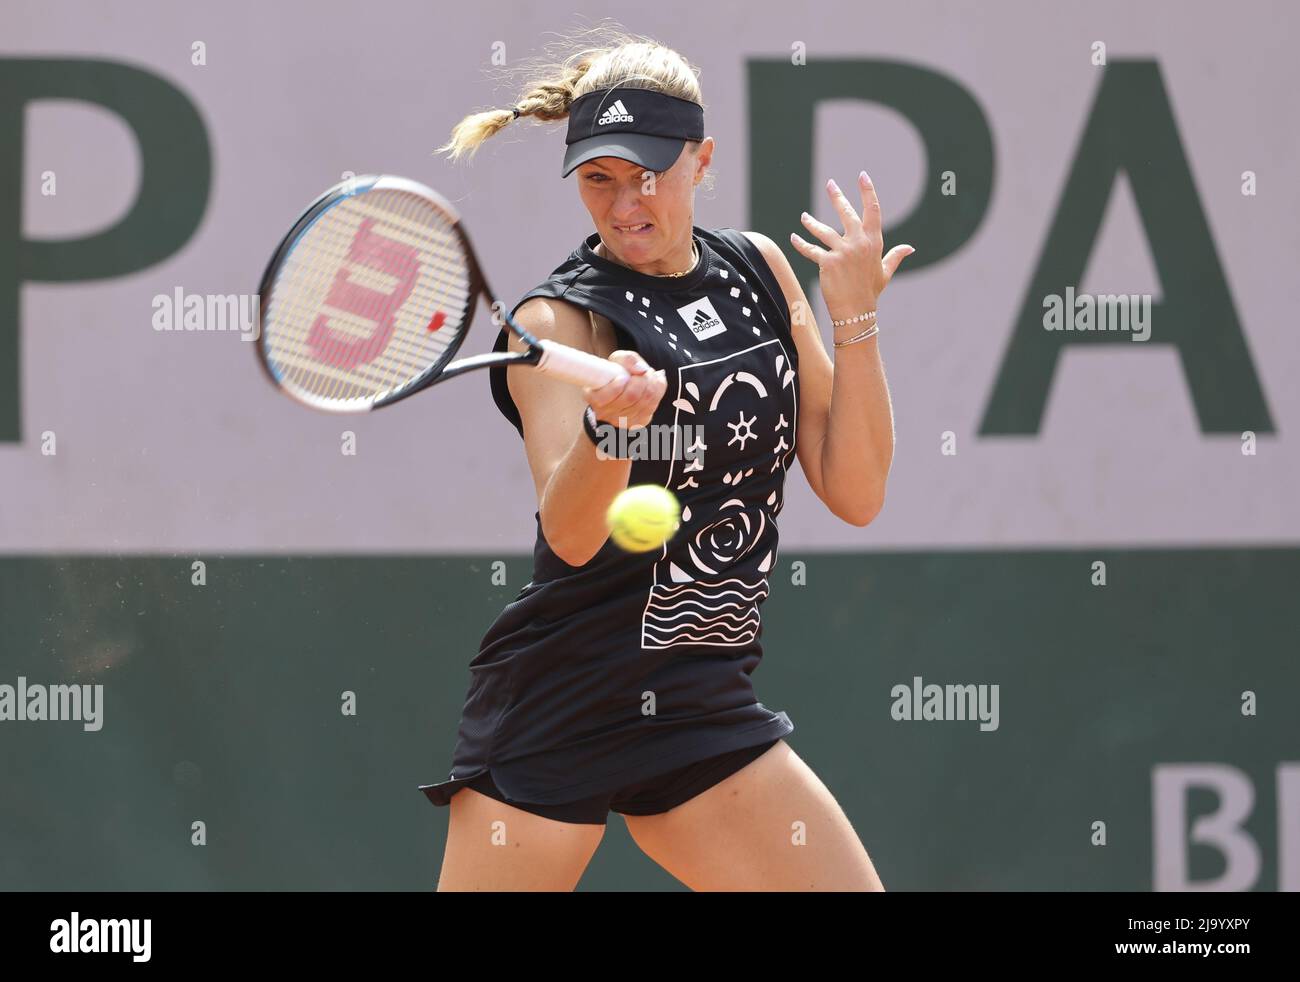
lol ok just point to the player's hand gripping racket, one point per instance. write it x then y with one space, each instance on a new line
369 296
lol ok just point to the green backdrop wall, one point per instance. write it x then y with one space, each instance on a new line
222 703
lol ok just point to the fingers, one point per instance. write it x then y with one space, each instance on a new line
852 223
893 258
807 249
632 402
828 235
632 361
635 406
870 205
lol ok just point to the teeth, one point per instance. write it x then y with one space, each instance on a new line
636 228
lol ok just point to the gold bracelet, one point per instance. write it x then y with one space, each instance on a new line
859 337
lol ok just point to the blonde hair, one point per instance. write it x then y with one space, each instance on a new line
604 57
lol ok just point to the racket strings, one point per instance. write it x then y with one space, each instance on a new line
368 299
347 345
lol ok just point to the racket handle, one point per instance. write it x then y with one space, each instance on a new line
577 367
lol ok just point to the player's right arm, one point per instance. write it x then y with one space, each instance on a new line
574 485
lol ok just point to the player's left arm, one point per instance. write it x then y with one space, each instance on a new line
851 485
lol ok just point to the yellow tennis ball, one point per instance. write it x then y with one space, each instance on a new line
643 517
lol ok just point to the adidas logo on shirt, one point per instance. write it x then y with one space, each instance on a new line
702 319
617 113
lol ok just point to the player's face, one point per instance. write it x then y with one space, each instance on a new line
621 195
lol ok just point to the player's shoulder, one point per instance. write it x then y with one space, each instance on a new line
545 306
770 250
747 242
777 264
545 316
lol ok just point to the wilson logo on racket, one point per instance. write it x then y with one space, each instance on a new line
378 252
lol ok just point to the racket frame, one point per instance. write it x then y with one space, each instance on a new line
336 195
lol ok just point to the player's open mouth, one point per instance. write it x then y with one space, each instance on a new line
642 229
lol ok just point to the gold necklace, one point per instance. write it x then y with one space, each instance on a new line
695 261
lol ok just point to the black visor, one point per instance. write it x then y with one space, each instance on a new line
640 125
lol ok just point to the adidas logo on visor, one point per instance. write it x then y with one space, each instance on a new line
617 113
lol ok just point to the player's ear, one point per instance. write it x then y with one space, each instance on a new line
703 157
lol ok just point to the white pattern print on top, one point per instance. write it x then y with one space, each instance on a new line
707 585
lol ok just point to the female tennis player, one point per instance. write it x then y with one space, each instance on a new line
620 681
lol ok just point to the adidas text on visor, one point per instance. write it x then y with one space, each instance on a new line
640 125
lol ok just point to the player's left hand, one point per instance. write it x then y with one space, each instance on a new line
852 272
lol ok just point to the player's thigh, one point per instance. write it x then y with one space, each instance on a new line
495 846
772 825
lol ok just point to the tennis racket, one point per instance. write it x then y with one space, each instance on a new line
369 296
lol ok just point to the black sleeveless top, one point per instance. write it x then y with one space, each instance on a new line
632 665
